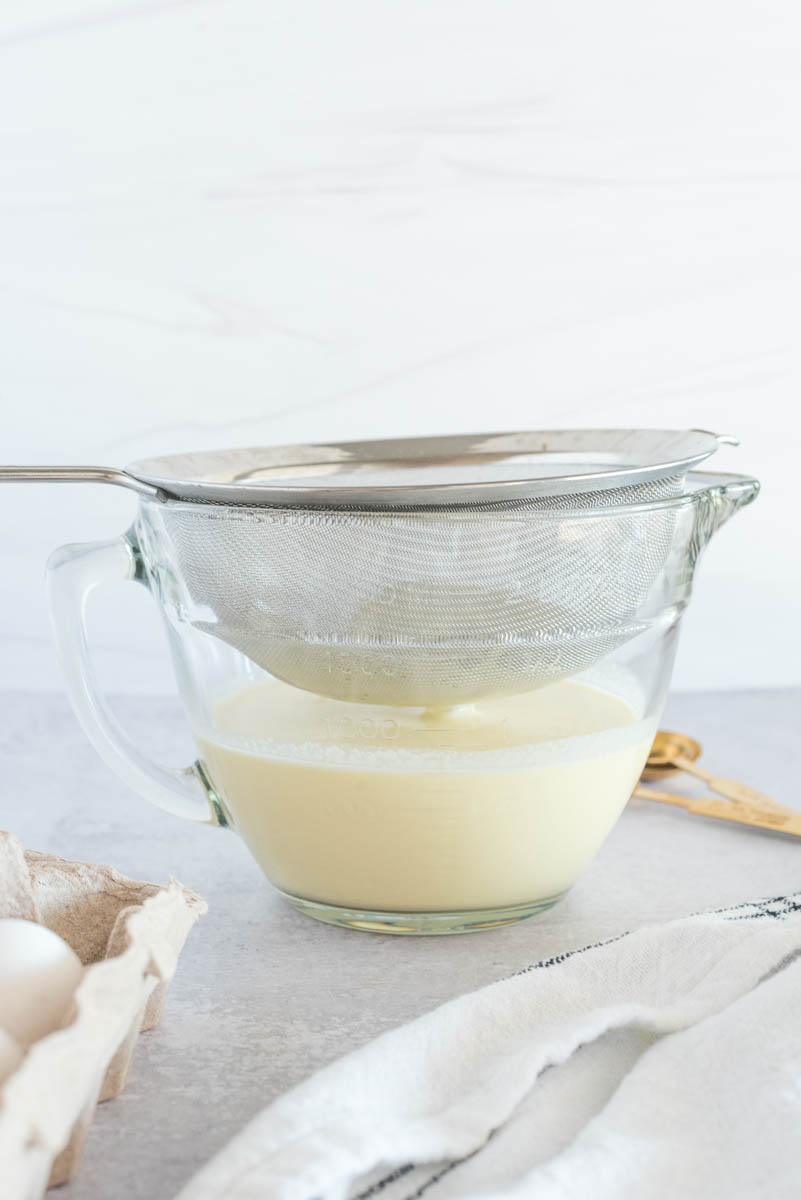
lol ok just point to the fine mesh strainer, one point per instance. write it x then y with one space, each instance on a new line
416 572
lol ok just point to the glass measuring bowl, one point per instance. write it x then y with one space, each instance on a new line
404 818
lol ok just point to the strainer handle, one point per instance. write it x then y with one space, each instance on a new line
73 572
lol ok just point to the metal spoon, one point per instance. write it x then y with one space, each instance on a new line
676 751
707 806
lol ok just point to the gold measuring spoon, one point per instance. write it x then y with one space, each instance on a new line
676 751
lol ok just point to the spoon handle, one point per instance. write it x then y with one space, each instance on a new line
788 821
646 793
732 789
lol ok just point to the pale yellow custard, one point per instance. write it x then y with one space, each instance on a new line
404 810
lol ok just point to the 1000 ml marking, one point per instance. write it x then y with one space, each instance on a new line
337 729
368 729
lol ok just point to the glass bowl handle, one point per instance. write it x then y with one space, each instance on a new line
73 572
717 503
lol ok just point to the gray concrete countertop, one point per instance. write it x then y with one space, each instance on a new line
264 996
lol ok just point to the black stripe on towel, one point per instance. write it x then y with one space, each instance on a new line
380 1184
777 907
442 1172
560 958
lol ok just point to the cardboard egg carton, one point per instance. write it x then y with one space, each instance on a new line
129 936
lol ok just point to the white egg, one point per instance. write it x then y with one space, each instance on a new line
10 1055
39 973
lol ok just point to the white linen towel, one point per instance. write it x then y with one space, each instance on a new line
663 1063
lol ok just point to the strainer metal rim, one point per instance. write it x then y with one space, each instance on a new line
698 483
242 476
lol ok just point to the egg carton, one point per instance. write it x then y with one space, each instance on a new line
129 936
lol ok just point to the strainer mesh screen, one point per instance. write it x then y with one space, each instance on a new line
426 606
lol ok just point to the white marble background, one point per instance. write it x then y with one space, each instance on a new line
231 221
